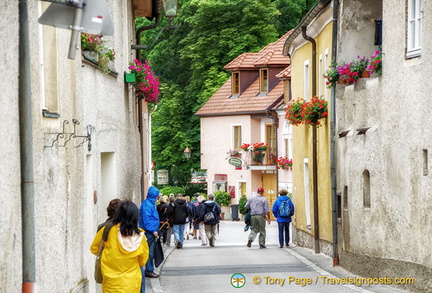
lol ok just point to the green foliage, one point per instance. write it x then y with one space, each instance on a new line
242 202
222 198
167 190
189 62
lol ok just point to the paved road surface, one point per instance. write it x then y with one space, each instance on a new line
210 269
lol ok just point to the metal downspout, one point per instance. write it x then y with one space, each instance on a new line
333 137
314 144
138 48
26 154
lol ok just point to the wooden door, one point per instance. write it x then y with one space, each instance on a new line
270 190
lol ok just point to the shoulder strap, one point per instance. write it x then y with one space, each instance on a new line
108 227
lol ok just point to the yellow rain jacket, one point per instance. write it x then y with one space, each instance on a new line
121 260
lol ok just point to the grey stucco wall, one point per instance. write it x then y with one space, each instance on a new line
66 178
395 229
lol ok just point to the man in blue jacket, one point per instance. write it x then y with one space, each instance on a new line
149 222
283 210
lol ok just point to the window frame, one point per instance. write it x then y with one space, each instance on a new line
306 80
237 136
264 81
235 83
414 28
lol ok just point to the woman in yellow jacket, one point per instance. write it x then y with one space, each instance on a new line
124 251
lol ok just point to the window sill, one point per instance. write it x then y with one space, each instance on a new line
47 114
94 64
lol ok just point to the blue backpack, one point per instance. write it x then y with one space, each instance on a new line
284 209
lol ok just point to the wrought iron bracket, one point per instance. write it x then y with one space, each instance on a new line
61 139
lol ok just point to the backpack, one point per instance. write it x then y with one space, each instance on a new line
209 217
284 209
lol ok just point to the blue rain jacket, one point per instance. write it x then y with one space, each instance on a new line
149 216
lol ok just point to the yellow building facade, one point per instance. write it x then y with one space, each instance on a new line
301 52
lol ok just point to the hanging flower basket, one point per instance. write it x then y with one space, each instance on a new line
314 110
146 82
258 157
284 163
293 112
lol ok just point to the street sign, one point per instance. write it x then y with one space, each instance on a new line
96 18
235 162
91 17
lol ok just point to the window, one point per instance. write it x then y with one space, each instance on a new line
263 80
235 83
270 140
414 28
306 80
366 189
326 66
320 74
48 67
237 137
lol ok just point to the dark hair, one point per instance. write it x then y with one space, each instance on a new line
111 208
127 214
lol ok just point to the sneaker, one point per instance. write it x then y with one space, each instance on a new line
249 244
203 244
178 244
262 246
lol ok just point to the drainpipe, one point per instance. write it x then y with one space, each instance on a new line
314 143
332 138
26 154
138 48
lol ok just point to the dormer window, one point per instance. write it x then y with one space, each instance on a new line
263 80
235 83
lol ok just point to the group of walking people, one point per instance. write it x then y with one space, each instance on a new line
133 234
128 254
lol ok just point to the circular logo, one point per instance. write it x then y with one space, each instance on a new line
238 280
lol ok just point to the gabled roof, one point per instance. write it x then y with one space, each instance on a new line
269 56
284 74
250 101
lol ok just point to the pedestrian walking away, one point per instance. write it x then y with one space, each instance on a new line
210 215
201 226
181 213
149 221
124 252
164 210
283 210
259 211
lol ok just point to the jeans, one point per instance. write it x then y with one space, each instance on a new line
284 227
151 240
143 280
179 233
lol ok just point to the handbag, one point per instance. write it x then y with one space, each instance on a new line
98 270
158 253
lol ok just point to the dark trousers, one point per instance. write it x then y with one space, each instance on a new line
283 227
151 240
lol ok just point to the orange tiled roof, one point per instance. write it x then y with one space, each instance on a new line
286 73
270 55
249 102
